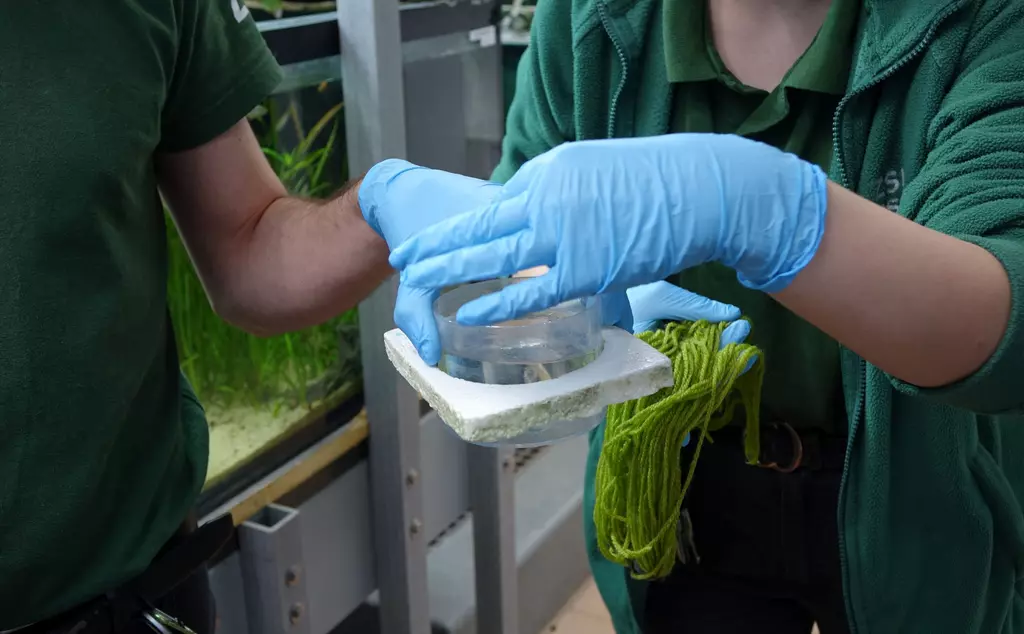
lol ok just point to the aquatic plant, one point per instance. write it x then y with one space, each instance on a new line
277 8
228 367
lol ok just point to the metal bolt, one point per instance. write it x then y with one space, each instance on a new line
291 576
412 477
506 464
415 526
295 613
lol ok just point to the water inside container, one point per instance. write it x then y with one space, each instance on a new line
517 368
536 347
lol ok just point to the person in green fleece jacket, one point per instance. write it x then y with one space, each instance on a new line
888 301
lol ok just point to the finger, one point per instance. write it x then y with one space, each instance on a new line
500 258
682 305
645 326
737 332
526 297
414 314
615 311
475 227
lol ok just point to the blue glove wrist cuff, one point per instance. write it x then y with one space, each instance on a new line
374 187
811 213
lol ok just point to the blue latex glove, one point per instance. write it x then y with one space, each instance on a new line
398 199
654 303
660 301
607 215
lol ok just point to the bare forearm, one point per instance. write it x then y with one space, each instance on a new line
926 307
301 263
269 263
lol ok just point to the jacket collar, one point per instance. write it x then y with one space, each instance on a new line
888 30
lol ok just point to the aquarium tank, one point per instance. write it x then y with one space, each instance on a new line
259 391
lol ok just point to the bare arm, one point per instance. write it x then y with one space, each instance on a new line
921 305
270 263
930 325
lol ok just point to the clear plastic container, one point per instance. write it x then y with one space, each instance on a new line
537 347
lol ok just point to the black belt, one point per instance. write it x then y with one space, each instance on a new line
129 603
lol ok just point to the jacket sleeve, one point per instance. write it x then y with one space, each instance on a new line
541 114
972 187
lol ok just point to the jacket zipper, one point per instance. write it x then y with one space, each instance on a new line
605 21
861 365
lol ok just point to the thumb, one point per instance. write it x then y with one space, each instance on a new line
615 310
414 314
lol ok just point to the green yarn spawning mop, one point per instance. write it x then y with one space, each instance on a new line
638 490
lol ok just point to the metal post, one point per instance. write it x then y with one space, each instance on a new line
491 474
371 70
371 77
484 102
273 573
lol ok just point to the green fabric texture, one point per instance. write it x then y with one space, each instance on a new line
929 126
103 447
803 384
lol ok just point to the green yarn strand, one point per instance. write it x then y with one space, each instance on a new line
638 492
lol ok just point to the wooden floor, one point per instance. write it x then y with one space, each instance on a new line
585 614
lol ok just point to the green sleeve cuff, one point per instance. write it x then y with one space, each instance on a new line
996 387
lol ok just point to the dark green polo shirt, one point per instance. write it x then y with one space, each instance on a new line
802 384
103 447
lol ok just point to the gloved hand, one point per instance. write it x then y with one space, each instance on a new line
661 301
610 214
398 199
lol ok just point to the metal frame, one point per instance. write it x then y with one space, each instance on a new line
375 129
272 572
492 498
371 39
401 442
337 543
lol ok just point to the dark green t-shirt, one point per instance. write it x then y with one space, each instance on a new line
802 384
103 448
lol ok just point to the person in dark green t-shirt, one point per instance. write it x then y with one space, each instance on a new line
103 445
850 174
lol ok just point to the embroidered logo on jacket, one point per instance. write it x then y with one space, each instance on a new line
889 189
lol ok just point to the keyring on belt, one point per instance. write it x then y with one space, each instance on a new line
798 453
165 623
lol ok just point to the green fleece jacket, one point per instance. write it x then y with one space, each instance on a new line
932 127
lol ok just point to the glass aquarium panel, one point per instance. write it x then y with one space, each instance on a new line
259 391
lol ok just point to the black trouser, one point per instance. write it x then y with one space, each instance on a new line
191 602
767 543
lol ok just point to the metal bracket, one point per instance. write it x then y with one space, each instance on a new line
272 572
